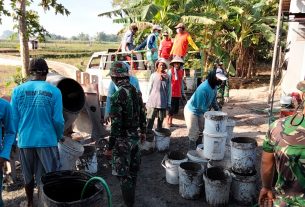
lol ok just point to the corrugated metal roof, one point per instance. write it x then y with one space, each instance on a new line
286 5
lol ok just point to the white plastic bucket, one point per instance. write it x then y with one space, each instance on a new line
243 155
200 150
88 161
214 145
215 122
190 180
225 164
171 163
69 152
230 127
194 156
217 182
190 83
148 146
162 138
243 189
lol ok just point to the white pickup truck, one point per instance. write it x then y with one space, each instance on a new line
99 65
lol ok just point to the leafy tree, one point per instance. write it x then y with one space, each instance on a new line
28 24
232 31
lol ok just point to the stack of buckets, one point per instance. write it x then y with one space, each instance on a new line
220 183
243 158
217 180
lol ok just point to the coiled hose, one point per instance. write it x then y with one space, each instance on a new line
109 197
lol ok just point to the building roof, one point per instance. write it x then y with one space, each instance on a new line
286 5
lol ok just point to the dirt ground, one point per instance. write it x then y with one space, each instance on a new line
245 107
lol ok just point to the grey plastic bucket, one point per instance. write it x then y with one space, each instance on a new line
243 155
214 145
162 138
194 156
69 152
215 122
63 189
190 180
217 182
230 128
171 162
243 189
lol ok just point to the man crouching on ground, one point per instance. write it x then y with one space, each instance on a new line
127 116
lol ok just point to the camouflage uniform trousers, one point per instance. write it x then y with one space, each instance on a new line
126 159
293 201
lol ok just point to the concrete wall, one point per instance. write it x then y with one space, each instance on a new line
296 56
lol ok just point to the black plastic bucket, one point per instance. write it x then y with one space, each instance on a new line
63 189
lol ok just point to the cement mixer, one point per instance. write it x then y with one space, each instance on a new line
73 96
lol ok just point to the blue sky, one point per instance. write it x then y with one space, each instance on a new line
83 18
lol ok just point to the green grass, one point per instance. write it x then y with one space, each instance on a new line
76 53
6 79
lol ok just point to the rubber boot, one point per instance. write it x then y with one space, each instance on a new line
159 123
128 190
29 191
192 145
128 196
150 124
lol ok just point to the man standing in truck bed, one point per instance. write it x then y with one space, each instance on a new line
181 41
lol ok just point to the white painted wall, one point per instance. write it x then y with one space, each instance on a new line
296 56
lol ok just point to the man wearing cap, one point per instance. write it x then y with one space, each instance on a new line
159 95
127 117
127 43
203 98
223 89
176 73
38 118
152 47
181 41
165 47
113 88
8 134
284 153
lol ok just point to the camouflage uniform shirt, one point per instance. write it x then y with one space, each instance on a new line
287 142
127 116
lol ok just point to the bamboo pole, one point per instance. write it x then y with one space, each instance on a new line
275 53
274 61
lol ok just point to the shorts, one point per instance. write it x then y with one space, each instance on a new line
36 162
174 106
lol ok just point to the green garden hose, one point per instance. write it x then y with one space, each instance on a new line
109 197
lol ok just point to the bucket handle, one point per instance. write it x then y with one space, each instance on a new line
163 161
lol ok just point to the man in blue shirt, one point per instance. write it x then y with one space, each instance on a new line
38 118
8 133
152 47
201 101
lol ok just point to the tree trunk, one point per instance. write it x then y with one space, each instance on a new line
24 47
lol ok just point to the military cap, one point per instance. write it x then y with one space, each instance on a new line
118 69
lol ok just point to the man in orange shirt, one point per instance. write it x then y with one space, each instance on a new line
165 47
181 41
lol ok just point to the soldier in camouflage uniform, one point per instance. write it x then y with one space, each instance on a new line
223 89
127 117
284 148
